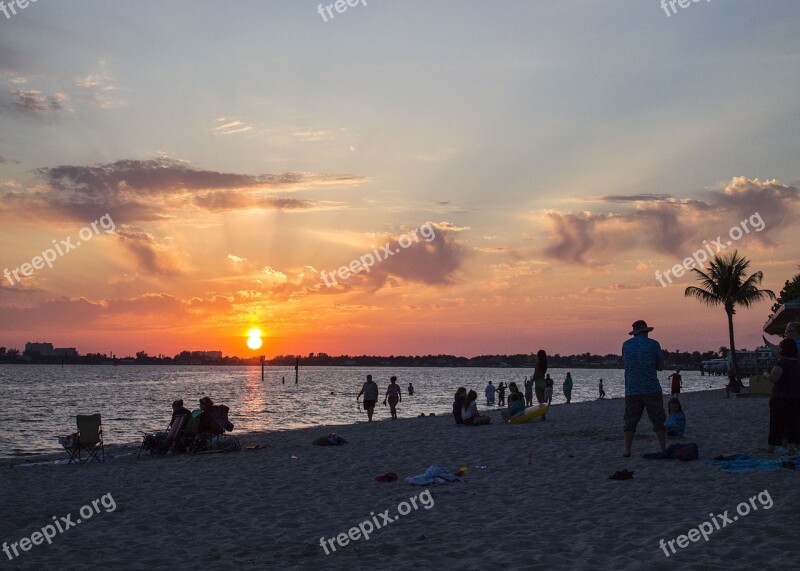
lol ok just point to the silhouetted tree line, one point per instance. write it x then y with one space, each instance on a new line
682 359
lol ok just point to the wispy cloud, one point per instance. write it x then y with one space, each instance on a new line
98 89
229 126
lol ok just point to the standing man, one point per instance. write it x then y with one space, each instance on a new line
793 332
370 392
490 390
642 358
568 388
676 382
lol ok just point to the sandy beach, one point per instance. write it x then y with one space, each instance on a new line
542 498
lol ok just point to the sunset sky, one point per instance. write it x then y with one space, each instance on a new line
563 152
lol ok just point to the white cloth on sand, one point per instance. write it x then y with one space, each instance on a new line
433 475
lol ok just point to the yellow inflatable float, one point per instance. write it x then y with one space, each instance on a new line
529 414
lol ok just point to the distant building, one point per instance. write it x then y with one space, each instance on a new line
47 350
41 349
209 355
65 352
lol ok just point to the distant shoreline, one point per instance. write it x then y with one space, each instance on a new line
357 365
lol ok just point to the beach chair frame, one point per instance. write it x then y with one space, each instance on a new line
171 440
188 437
88 440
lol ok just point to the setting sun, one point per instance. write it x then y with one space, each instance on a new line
254 339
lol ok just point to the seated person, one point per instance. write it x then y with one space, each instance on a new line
516 406
676 423
469 412
177 410
458 402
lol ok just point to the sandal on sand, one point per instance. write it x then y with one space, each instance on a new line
621 475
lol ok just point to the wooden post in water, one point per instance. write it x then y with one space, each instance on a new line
296 368
263 358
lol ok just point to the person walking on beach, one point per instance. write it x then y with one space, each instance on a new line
602 392
490 390
676 382
568 388
370 392
528 391
642 359
501 394
548 390
393 395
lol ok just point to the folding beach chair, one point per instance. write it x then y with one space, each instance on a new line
216 440
88 439
188 437
219 412
169 443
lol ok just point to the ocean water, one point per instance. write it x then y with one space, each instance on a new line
40 402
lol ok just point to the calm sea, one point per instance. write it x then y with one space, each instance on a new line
40 402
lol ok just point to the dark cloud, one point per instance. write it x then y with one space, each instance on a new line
232 200
433 263
150 256
635 198
141 191
671 226
34 102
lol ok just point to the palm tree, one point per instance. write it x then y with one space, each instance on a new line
724 284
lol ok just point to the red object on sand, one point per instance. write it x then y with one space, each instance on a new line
387 477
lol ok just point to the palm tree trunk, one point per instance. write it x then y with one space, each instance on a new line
734 360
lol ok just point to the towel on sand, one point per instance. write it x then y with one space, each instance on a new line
433 475
741 463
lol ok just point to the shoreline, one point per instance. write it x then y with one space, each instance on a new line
250 436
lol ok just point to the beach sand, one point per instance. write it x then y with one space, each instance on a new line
543 500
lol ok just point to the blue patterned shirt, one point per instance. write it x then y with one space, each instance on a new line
642 358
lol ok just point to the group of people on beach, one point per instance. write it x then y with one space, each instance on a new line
465 408
208 425
642 359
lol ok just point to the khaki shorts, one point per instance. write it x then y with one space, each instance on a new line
635 405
